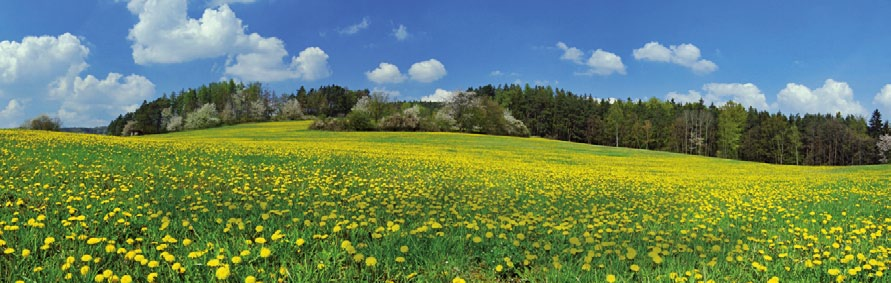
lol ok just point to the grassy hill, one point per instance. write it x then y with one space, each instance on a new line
274 201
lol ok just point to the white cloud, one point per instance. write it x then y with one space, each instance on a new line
12 114
692 96
385 73
605 63
165 34
40 59
401 33
214 3
687 55
90 101
496 73
311 64
832 97
353 29
601 62
653 51
746 95
440 95
427 71
883 98
44 73
570 53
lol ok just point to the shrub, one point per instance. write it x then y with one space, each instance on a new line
291 110
43 123
330 124
204 117
175 124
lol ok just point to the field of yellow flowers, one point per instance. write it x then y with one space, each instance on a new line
274 202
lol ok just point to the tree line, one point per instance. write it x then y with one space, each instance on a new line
466 112
228 103
727 131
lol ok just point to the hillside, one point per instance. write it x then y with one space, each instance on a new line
276 201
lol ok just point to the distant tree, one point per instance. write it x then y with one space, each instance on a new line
884 146
202 118
731 119
43 123
290 110
515 127
875 124
615 118
175 124
257 110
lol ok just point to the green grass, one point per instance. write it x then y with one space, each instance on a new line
588 204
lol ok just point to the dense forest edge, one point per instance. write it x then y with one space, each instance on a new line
729 131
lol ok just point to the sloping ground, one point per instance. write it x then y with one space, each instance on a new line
276 201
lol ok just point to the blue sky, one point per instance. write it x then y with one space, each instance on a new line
88 61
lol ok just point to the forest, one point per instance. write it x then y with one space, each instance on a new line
728 131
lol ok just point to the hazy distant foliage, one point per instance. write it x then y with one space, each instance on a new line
204 117
728 131
43 123
464 112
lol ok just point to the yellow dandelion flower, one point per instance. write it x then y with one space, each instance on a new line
265 252
151 277
370 261
223 272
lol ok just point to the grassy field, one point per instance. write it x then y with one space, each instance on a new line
274 202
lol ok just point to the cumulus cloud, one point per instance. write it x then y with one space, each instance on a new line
401 33
427 71
883 98
353 29
570 53
687 55
440 95
90 101
746 94
691 96
605 63
214 3
266 64
165 34
832 97
38 59
44 74
385 73
13 113
601 62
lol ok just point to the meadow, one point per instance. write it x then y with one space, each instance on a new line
275 202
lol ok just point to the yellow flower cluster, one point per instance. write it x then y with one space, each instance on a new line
273 202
